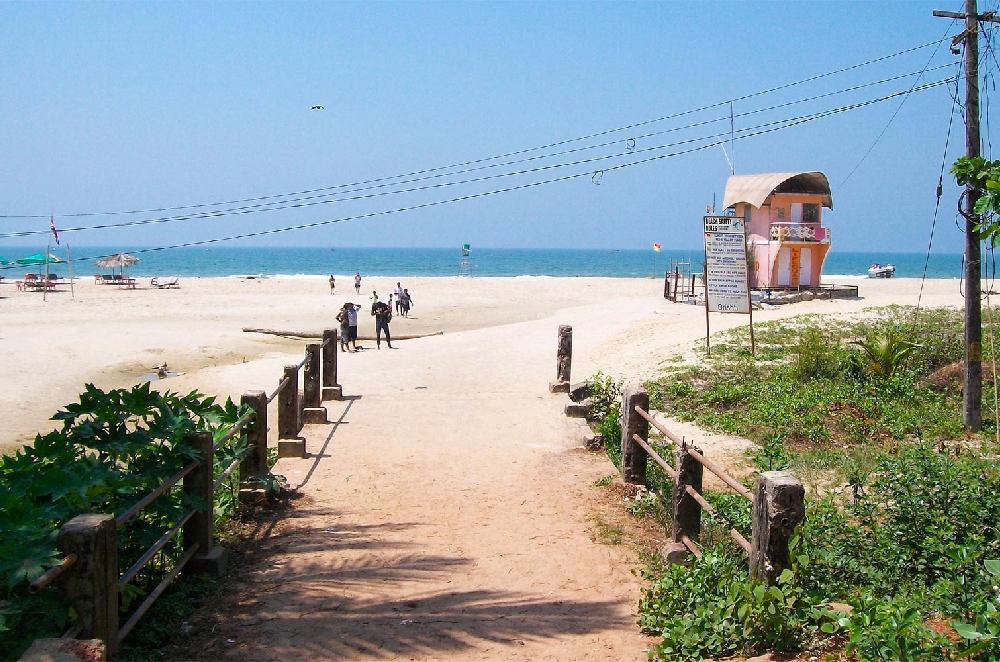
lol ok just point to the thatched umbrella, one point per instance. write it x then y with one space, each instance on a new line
117 261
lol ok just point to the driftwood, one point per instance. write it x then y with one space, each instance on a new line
313 334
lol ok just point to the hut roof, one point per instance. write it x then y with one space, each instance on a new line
754 189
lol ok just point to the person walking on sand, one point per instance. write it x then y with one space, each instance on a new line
352 324
406 303
357 282
382 314
345 326
333 283
399 298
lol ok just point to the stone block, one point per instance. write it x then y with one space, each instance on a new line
675 552
65 650
558 387
580 391
594 442
576 410
253 496
333 393
213 563
291 448
315 415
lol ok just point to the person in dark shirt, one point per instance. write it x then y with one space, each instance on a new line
382 314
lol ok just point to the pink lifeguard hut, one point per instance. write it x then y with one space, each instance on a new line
783 212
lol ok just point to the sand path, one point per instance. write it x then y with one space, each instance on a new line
448 512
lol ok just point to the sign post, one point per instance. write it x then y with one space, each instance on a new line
727 278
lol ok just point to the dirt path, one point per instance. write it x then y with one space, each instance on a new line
446 516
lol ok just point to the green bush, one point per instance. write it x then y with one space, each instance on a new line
712 609
113 448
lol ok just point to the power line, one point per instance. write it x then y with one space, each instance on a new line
630 150
483 194
496 157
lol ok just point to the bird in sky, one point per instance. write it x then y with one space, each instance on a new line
316 108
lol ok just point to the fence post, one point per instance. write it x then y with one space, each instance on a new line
313 410
91 585
633 455
778 507
564 360
255 462
687 512
289 442
198 491
331 387
677 277
666 284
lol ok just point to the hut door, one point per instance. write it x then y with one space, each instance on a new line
805 267
784 267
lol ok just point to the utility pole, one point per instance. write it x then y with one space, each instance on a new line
972 391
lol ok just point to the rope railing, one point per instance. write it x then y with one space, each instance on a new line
236 429
705 505
777 501
141 504
85 538
157 592
719 472
225 474
281 385
52 573
154 549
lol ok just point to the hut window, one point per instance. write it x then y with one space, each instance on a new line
810 212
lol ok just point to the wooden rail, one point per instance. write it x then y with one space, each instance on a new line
777 501
89 573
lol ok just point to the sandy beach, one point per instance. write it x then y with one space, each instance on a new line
112 337
449 511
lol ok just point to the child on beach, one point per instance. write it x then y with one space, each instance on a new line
405 302
357 282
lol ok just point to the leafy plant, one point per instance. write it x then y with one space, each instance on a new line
882 354
113 448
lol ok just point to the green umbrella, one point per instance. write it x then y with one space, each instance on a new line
38 258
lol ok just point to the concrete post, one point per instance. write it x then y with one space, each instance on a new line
198 490
331 387
778 507
311 377
687 512
289 442
313 410
634 456
564 360
255 463
91 585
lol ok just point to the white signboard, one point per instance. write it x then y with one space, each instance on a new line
726 265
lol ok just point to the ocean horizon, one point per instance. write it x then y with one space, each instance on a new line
220 261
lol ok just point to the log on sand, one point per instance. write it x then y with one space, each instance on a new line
313 334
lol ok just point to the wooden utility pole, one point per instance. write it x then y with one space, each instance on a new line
972 391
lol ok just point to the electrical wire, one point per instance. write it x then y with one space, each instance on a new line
528 185
495 157
892 117
627 152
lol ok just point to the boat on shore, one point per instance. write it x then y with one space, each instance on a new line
881 270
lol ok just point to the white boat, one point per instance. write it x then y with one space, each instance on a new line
881 270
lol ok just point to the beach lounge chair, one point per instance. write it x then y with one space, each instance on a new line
165 283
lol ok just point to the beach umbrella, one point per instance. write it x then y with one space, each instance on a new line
39 258
117 261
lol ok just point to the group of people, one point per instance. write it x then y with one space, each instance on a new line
380 310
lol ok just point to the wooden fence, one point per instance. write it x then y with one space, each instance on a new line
777 500
89 574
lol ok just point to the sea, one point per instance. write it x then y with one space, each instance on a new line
216 261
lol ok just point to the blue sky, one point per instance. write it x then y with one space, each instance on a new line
122 106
